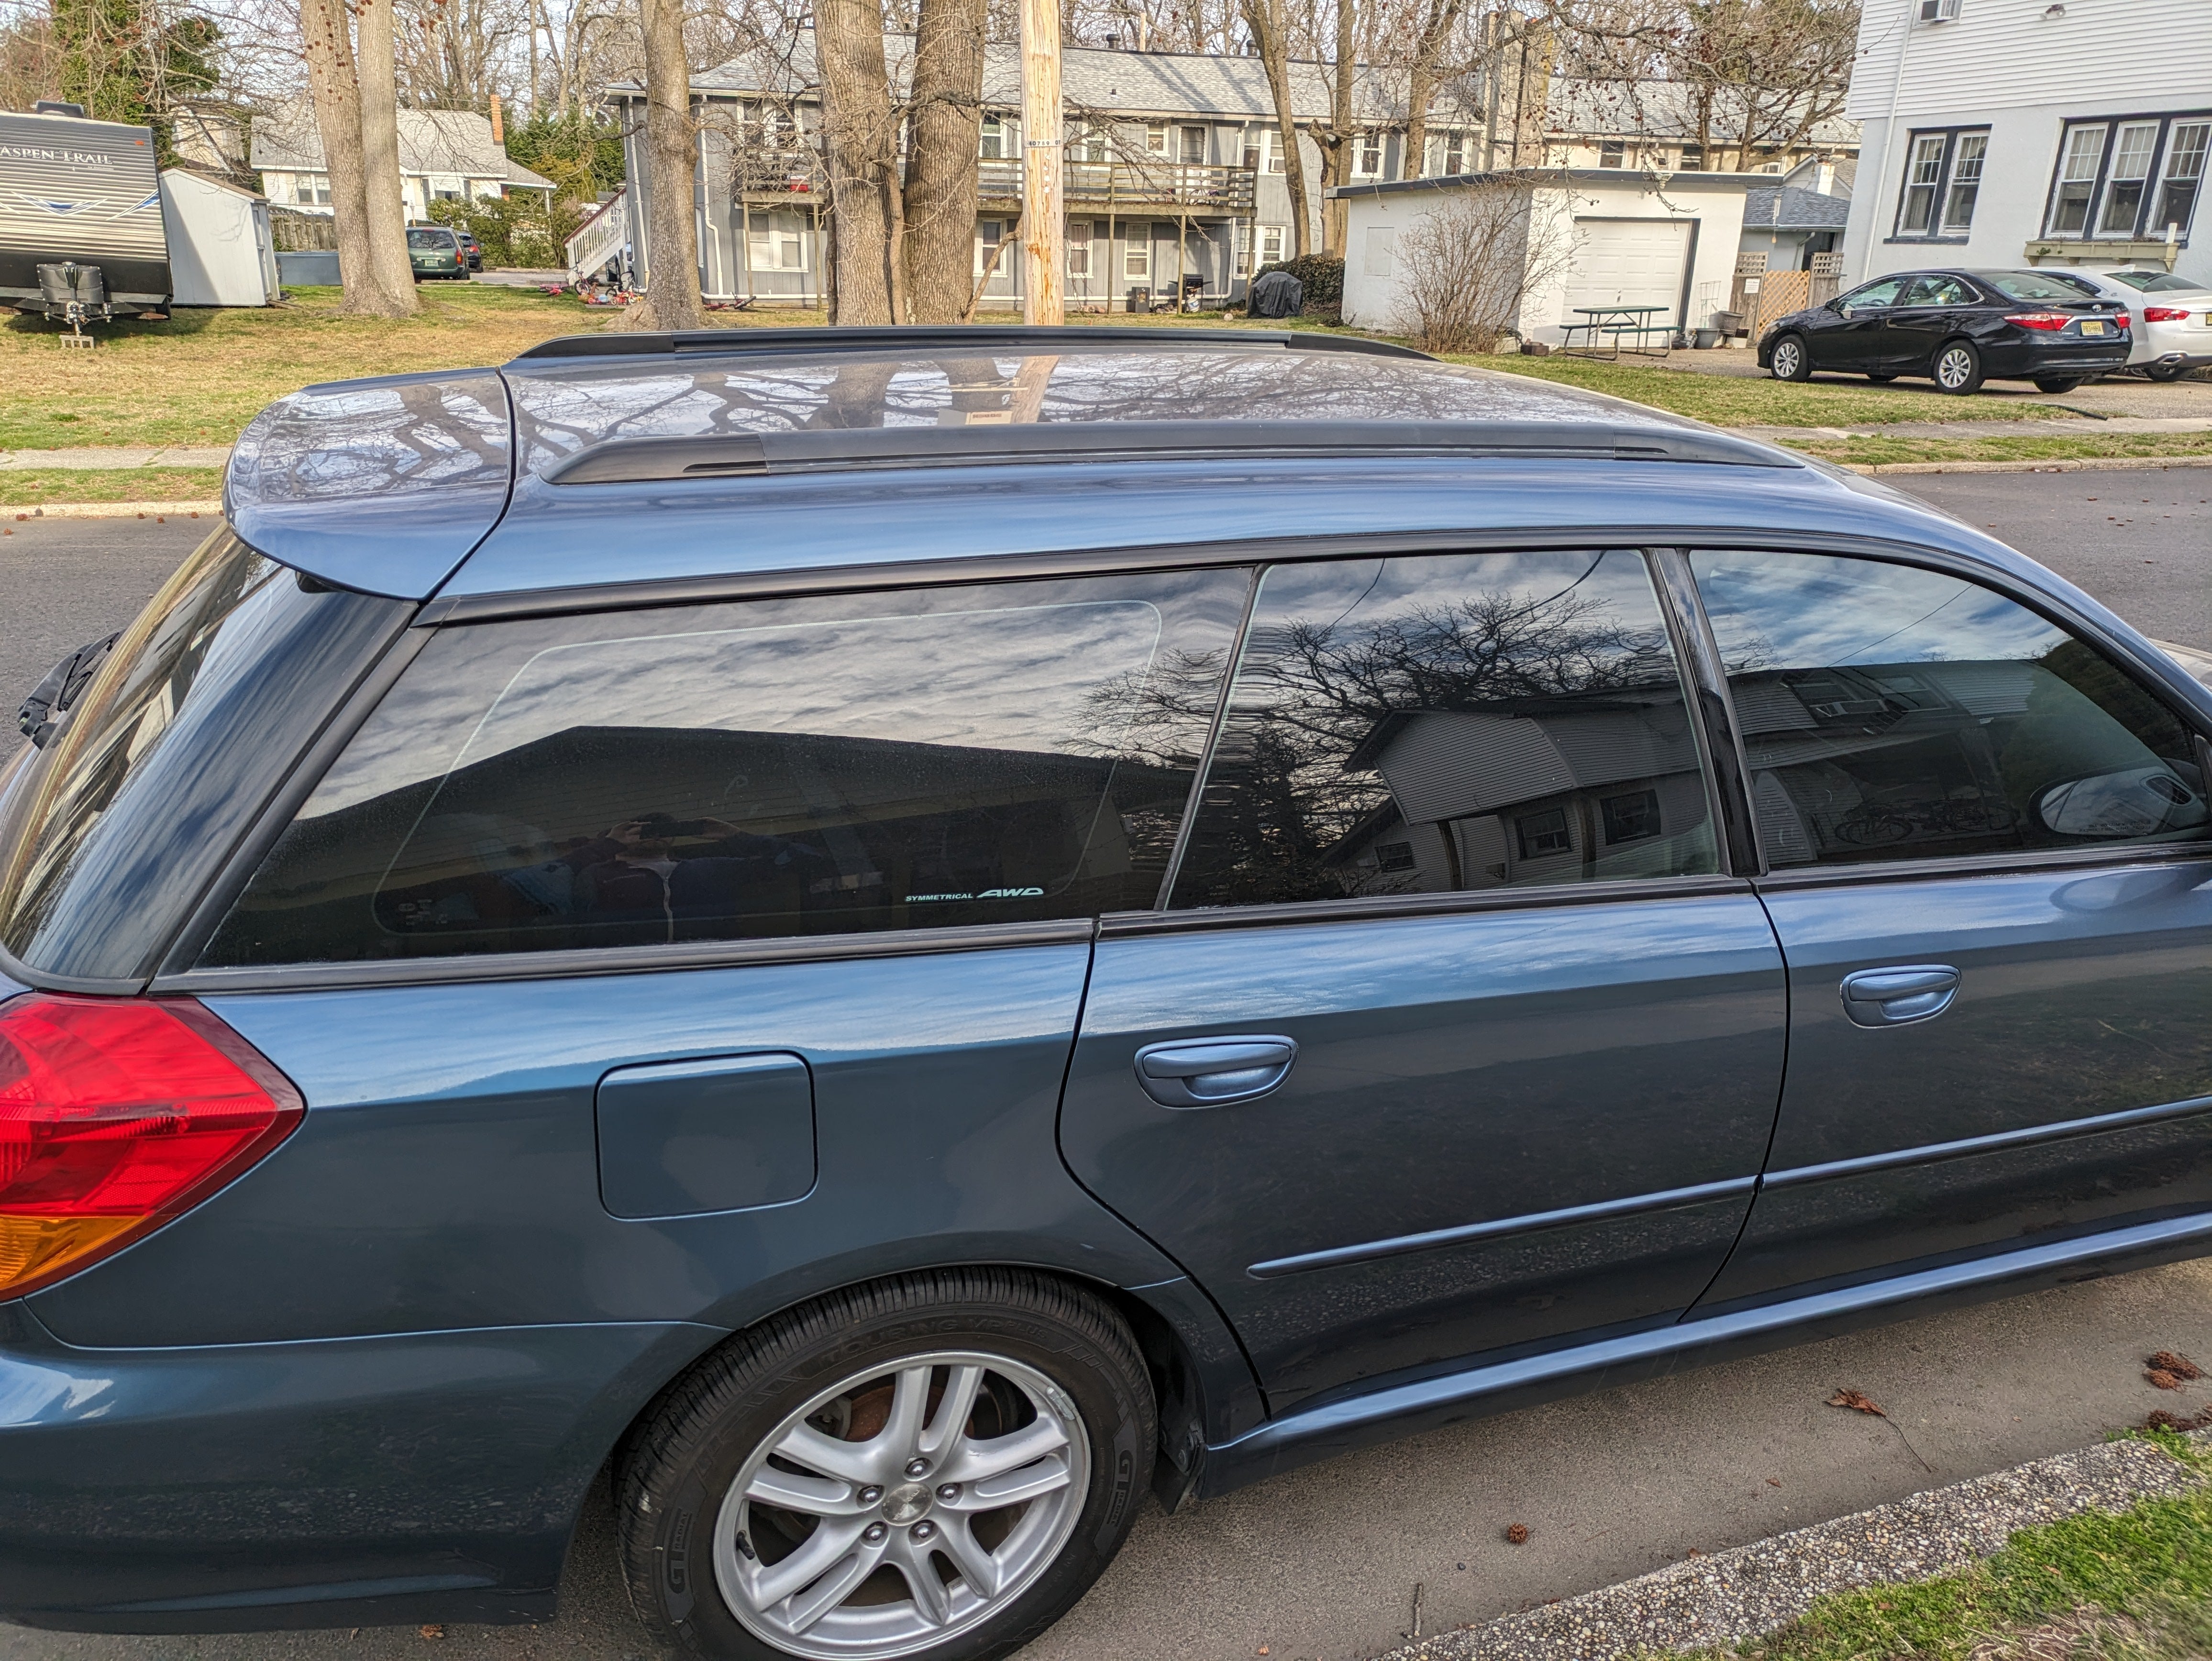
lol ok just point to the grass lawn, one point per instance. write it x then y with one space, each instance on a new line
200 377
27 486
2132 1587
2028 447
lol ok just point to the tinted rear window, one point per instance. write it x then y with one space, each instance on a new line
2155 282
202 704
431 241
2038 285
770 769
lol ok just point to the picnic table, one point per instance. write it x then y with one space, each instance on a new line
1615 321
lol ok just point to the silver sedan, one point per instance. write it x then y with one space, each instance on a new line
2170 317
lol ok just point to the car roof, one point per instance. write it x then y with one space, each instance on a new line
852 449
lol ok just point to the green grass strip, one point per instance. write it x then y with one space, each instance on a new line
31 487
2042 446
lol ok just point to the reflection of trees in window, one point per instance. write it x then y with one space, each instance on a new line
1293 775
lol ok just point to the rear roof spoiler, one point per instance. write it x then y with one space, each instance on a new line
725 455
939 341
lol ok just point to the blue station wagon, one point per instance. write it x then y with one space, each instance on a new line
899 938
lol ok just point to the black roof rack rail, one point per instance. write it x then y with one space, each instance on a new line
929 338
725 455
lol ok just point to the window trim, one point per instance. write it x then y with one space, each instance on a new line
1937 233
175 973
2154 180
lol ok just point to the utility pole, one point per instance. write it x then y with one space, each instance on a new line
1044 228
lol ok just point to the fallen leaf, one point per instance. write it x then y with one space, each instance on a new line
1774 1481
1516 1534
433 1631
1263 1649
1857 1402
2161 1379
2179 1366
1694 1551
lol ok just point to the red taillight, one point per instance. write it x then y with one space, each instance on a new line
2050 322
2164 315
116 1114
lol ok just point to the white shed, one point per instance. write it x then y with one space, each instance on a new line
1631 239
221 251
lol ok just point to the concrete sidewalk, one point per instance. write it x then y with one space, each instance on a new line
102 457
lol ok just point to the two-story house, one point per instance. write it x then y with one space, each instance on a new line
2021 132
443 154
1175 178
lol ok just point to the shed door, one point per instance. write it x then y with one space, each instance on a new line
1628 262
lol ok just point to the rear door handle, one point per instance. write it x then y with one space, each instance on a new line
1896 997
1214 1071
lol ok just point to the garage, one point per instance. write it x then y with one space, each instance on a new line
1630 262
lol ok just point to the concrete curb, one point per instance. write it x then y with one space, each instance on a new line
1739 1593
2097 465
114 510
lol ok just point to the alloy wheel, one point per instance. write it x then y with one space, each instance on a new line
902 1507
1955 368
1785 360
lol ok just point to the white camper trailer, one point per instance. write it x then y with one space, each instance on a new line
221 251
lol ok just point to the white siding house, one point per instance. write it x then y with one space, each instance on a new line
2018 132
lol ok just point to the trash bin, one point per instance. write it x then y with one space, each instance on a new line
1728 322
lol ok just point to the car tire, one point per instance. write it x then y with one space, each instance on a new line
2058 383
1790 360
840 1378
1957 368
1879 380
2166 371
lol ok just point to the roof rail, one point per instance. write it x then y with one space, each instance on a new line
723 455
930 338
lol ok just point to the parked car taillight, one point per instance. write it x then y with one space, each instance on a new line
2165 314
2050 322
117 1115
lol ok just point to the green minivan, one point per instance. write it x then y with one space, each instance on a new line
434 252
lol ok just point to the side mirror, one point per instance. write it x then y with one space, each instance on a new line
51 698
2141 802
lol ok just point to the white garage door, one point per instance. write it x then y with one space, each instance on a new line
1628 262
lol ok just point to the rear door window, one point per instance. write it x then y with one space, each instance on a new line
768 768
1455 722
1889 712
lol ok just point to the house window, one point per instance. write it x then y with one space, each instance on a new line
1544 833
1367 157
1967 156
2077 180
775 245
1274 144
2185 172
1088 145
1156 139
2130 178
995 139
1942 178
1693 158
1453 158
1137 256
312 187
1614 154
1272 238
1190 146
1243 249
1252 145
1631 818
1394 856
989 234
1078 247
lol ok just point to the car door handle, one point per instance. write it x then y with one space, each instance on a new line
1214 1071
1893 997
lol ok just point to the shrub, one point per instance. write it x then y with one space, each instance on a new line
516 230
1468 263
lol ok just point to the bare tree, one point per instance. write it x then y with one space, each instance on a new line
336 86
1438 19
1270 34
859 134
671 293
946 116
1337 136
1469 262
379 149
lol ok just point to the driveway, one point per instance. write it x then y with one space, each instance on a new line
1325 1563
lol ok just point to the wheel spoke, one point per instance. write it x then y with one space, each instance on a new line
814 1496
1013 1487
945 1430
921 1582
902 1431
974 1461
855 1462
818 1553
833 1588
977 1566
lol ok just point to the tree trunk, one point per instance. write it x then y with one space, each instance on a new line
379 149
1336 149
1421 83
337 91
671 164
1532 101
1265 20
860 138
944 134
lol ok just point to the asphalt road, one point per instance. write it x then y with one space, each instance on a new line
1325 1563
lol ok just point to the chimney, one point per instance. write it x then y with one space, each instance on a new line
498 132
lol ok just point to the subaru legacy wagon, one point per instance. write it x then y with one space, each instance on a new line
900 938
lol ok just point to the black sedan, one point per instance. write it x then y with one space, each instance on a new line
471 249
1957 328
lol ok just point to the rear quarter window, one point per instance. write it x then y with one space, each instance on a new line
757 771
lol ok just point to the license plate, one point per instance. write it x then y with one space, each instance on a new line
2091 325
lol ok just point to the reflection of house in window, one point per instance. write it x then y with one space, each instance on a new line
1394 856
1631 818
1544 833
